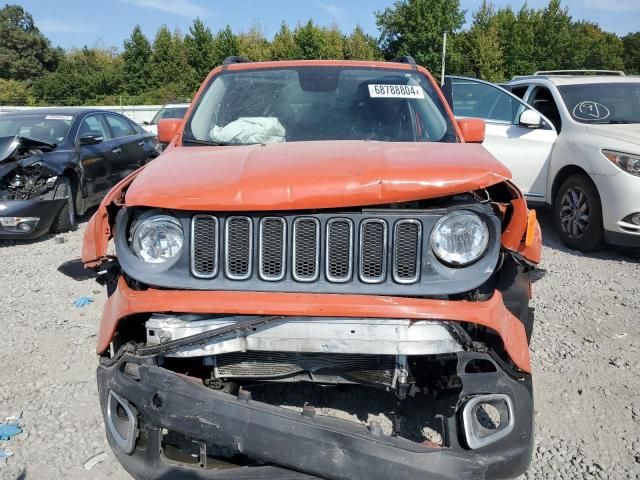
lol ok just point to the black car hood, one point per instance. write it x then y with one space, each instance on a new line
14 147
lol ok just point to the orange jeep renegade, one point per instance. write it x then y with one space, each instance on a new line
323 276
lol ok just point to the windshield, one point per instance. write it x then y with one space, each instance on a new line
47 128
603 102
319 103
169 112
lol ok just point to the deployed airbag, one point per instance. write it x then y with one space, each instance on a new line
250 130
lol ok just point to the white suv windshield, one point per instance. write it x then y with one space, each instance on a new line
319 103
603 102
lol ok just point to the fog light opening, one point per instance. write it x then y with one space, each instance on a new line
122 422
487 419
19 224
635 218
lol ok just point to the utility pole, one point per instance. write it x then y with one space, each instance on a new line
444 58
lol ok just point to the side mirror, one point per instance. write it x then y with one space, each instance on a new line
90 139
168 128
146 122
530 119
473 129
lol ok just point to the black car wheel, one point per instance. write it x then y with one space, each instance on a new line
66 219
577 214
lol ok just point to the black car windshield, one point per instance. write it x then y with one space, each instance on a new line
169 112
319 103
603 102
49 128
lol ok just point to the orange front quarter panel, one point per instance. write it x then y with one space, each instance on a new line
491 313
98 233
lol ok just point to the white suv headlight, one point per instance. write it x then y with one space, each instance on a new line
460 238
156 238
626 161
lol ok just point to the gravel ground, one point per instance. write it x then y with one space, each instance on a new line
585 354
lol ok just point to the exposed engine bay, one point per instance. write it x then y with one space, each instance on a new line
24 174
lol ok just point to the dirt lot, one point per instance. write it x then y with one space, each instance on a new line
586 359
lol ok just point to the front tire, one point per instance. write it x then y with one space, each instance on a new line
65 221
577 214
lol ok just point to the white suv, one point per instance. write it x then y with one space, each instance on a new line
590 173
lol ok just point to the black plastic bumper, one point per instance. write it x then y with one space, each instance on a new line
318 447
45 210
622 239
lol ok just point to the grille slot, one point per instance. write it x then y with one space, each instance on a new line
373 250
407 240
306 249
204 246
238 247
273 239
339 262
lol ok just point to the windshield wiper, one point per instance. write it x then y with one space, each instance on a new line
213 143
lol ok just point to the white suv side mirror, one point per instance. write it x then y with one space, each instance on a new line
531 119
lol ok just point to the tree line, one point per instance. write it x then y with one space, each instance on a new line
498 44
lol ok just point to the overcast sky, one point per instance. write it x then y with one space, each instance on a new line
75 23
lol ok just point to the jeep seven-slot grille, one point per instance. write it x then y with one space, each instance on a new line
304 249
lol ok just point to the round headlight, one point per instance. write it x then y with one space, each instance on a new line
460 238
157 238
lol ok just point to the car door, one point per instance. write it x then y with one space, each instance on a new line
95 160
524 148
128 146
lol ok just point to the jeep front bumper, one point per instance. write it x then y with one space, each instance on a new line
288 445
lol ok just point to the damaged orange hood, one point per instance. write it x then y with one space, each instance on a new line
310 175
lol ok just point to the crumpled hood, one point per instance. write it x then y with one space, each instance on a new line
310 175
625 132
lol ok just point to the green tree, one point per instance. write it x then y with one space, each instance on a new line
136 55
200 50
595 48
360 46
225 45
482 48
283 46
25 52
169 62
254 44
416 27
84 76
309 40
631 44
331 43
554 38
15 92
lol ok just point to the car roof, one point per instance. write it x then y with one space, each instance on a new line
320 63
560 80
54 111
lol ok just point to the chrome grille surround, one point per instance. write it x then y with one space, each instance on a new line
373 250
306 249
407 246
272 246
339 250
238 247
205 246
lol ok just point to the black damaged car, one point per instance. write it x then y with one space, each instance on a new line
56 163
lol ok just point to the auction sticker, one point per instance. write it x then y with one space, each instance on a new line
395 91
